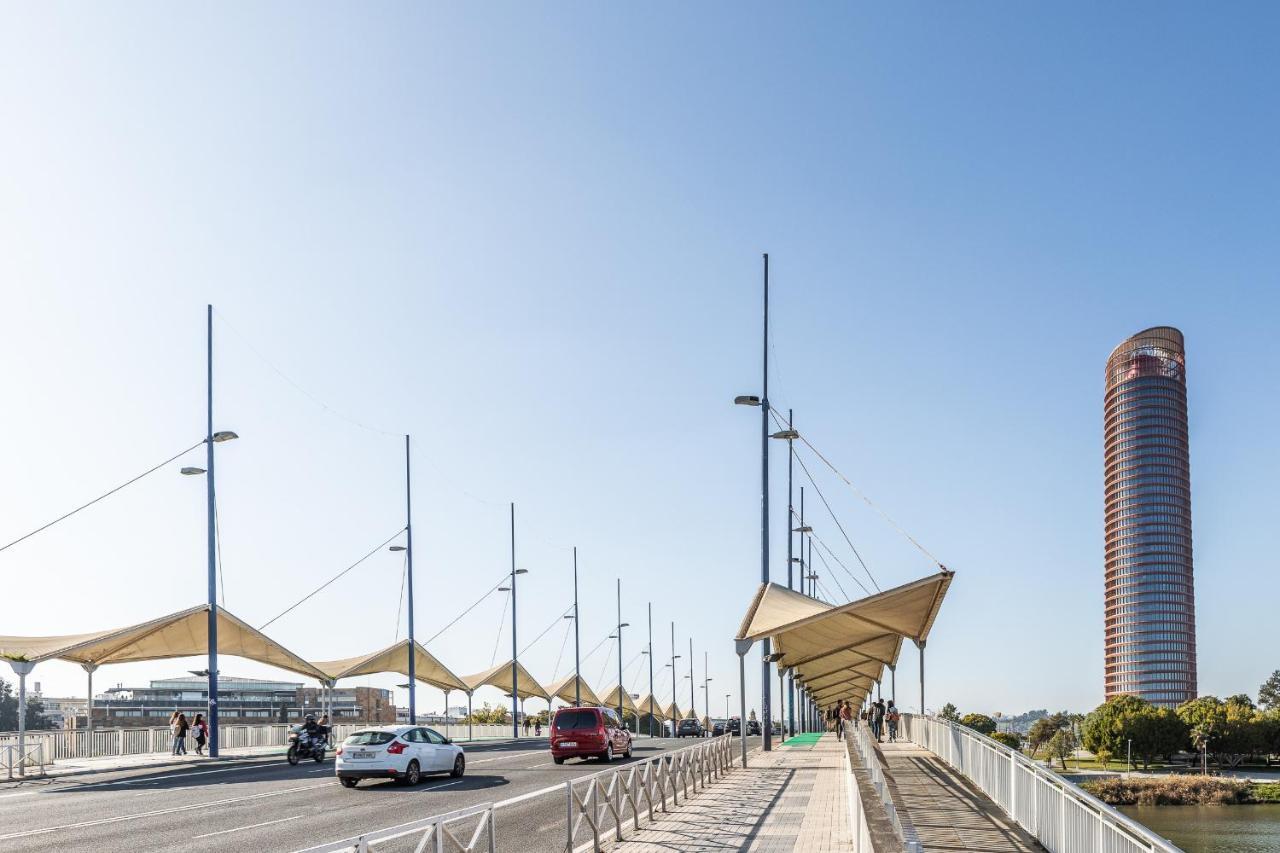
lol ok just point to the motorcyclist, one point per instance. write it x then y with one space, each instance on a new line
311 728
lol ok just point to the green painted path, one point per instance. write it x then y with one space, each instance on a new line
806 739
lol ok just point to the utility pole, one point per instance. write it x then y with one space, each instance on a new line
515 654
693 705
650 669
621 719
765 685
408 528
211 504
577 655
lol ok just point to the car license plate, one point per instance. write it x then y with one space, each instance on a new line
360 753
568 743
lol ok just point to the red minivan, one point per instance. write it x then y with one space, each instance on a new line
588 733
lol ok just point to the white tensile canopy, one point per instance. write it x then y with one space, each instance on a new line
569 688
395 658
610 700
500 677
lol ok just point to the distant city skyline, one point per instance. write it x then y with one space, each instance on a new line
1150 584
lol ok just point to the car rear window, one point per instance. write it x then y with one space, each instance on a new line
571 721
370 738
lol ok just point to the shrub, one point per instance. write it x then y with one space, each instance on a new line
979 723
1170 791
1009 739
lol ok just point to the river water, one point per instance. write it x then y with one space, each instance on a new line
1214 829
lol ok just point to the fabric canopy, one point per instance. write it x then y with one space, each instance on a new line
178 635
570 687
395 658
500 677
610 700
642 707
672 712
840 652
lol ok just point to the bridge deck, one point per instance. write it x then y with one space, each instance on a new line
948 812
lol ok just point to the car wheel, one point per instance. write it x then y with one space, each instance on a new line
558 760
412 774
348 782
608 754
459 767
627 754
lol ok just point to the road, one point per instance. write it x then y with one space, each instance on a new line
266 805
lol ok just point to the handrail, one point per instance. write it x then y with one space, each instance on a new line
1062 816
859 735
435 832
641 787
15 758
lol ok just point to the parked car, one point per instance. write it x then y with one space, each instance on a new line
734 726
717 729
689 728
753 727
588 733
403 753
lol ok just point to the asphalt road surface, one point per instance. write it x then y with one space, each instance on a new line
266 805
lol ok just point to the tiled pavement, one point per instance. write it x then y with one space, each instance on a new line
790 800
948 813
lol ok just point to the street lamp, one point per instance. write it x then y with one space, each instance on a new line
515 652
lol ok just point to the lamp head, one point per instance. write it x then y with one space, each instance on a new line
397 548
224 435
190 471
746 400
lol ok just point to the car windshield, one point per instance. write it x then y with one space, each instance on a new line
570 721
370 738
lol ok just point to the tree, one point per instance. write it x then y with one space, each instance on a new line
1062 745
1269 692
1043 730
949 712
488 715
979 723
1009 739
1127 721
1104 756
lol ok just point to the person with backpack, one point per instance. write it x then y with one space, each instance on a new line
200 729
180 727
846 715
892 717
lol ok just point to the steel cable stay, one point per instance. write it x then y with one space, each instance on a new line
404 574
104 495
861 494
559 618
555 675
490 591
833 556
376 549
502 621
827 566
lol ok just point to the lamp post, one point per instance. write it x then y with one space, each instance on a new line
763 402
211 438
790 435
408 549
726 710
515 654
621 625
706 685
650 654
693 705
674 680
577 657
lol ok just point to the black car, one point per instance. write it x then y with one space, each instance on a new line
734 726
689 728
717 729
753 727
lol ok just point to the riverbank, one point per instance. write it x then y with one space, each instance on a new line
1181 791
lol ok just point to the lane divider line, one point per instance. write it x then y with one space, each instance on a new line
251 826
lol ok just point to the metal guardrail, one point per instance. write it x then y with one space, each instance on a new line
16 760
65 744
1063 817
859 735
438 834
642 787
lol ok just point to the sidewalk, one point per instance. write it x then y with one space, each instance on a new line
790 800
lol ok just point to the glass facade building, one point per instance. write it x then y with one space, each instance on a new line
1150 591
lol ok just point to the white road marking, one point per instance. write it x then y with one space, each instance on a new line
528 796
251 826
189 807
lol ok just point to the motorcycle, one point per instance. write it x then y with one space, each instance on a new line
303 745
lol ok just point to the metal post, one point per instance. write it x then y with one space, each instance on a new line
765 684
920 644
781 693
89 668
470 719
693 704
791 454
706 686
742 647
21 668
674 722
577 655
408 529
620 703
893 684
210 497
650 669
515 676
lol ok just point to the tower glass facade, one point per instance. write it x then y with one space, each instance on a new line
1150 592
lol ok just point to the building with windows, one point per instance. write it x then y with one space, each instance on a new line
240 701
1150 590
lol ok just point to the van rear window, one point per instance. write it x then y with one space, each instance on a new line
571 721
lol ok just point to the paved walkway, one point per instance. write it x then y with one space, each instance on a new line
948 812
790 800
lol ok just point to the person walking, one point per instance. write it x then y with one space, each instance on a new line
892 717
877 719
526 726
846 715
180 728
200 730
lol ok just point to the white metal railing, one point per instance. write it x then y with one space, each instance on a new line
15 760
1062 817
440 834
859 735
603 802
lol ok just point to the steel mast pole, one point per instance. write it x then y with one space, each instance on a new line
577 656
650 669
621 719
408 529
674 687
515 675
765 685
210 498
693 704
791 456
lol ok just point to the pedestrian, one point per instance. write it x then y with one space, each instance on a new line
891 717
846 715
200 729
180 728
526 726
877 719
322 728
537 727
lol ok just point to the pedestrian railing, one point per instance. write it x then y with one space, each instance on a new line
858 734
16 761
1063 817
67 744
602 803
440 834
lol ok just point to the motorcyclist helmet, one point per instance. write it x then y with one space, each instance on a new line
310 718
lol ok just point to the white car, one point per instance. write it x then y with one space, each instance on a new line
403 753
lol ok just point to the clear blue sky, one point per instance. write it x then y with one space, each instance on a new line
532 237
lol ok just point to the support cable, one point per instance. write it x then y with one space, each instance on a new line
502 620
840 527
559 619
835 579
378 548
217 537
64 517
832 554
474 605
404 575
563 645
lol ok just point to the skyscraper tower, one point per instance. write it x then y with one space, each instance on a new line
1150 593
